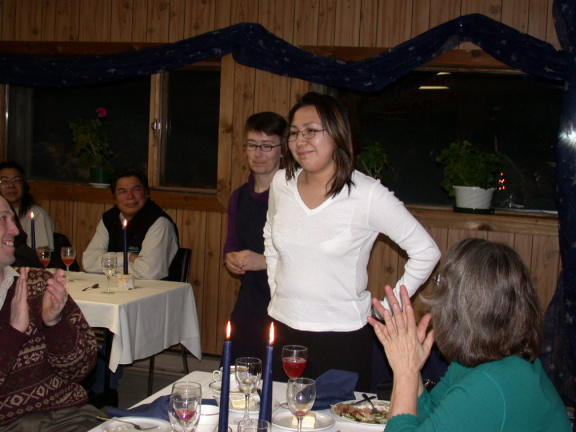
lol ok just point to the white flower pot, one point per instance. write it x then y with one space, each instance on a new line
473 197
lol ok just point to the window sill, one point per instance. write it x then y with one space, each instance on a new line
500 221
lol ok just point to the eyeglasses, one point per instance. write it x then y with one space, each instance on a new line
263 147
306 134
6 181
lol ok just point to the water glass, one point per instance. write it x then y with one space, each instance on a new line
44 255
248 374
68 255
184 405
108 264
254 425
294 360
300 395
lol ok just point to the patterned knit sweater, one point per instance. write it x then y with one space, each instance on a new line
41 368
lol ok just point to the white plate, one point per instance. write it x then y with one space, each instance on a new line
100 185
256 409
116 426
215 386
379 404
283 420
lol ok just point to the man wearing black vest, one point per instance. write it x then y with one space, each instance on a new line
152 235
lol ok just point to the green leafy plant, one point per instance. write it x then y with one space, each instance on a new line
373 160
465 165
91 144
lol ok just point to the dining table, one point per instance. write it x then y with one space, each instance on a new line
330 422
143 321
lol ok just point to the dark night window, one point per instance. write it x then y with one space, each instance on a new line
513 114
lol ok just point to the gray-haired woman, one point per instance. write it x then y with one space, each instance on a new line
487 320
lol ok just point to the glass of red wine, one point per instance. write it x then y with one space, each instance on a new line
184 405
294 360
44 255
68 255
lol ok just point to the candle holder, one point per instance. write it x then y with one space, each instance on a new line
125 282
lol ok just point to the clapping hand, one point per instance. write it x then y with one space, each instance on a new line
19 313
407 345
55 298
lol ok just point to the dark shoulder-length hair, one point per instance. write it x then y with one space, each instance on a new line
335 121
27 198
484 305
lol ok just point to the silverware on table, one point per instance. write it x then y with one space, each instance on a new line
96 285
136 426
367 398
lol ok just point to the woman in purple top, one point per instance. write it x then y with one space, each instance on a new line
244 248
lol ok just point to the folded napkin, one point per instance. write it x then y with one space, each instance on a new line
334 386
157 409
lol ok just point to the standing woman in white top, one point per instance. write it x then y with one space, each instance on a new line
16 190
323 218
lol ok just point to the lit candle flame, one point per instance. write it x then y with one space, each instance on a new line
271 333
31 215
228 330
124 223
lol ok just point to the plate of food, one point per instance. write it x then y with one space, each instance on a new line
115 425
361 412
314 421
237 404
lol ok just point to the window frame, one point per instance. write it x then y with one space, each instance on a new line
188 198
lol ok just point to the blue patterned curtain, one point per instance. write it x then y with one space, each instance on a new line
251 45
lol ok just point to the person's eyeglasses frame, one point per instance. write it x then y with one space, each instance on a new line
262 147
15 181
293 135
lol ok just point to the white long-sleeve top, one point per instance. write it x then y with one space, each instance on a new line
158 250
317 258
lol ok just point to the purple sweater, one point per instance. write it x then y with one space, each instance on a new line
232 244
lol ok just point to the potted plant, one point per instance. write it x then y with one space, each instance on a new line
92 147
373 160
468 174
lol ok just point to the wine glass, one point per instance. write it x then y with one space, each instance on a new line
184 405
44 255
108 264
254 425
68 255
248 373
294 360
300 395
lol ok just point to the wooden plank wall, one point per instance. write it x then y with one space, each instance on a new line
352 23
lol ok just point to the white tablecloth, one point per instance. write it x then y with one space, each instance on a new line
278 393
145 321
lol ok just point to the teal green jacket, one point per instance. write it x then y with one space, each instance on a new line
509 395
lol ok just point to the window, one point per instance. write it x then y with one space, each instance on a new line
513 114
191 156
38 136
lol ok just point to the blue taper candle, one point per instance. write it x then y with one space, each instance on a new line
33 232
225 387
266 401
125 234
